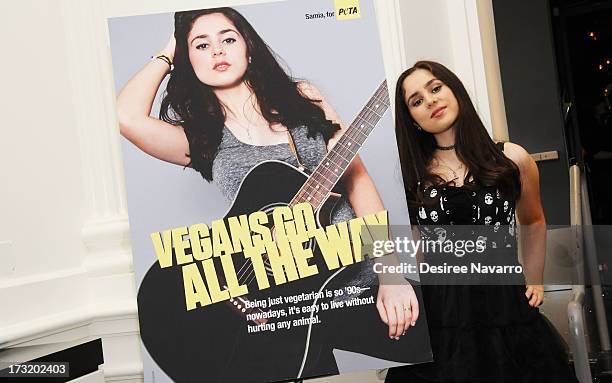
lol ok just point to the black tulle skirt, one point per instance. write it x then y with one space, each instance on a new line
487 334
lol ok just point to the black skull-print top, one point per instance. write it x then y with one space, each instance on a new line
490 214
452 205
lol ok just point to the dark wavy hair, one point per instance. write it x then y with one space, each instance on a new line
193 105
486 163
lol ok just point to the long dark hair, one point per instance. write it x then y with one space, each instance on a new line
193 105
487 165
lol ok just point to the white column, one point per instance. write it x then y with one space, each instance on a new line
105 231
107 262
391 39
492 71
467 48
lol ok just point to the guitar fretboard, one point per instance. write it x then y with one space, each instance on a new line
326 175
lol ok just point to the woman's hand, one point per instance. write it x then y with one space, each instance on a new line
535 294
398 307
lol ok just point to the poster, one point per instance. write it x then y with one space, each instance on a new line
250 277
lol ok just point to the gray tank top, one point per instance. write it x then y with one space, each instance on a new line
235 158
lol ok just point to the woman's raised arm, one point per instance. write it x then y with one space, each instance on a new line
151 135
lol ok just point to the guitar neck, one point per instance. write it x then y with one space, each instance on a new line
326 175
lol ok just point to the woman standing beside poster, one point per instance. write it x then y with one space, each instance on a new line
456 175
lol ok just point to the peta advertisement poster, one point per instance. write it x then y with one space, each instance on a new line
261 164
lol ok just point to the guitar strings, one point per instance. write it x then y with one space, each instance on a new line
370 114
249 278
367 112
371 118
338 149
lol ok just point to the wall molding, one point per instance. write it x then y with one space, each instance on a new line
68 324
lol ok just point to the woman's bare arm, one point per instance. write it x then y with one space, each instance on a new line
532 223
152 135
396 303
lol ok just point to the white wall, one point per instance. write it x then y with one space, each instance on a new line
65 263
39 149
448 31
42 202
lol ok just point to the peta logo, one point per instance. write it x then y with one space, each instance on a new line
347 9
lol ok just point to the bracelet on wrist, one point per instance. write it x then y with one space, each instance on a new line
163 58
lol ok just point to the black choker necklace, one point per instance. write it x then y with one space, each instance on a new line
445 147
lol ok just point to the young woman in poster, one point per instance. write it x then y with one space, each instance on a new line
228 106
455 174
